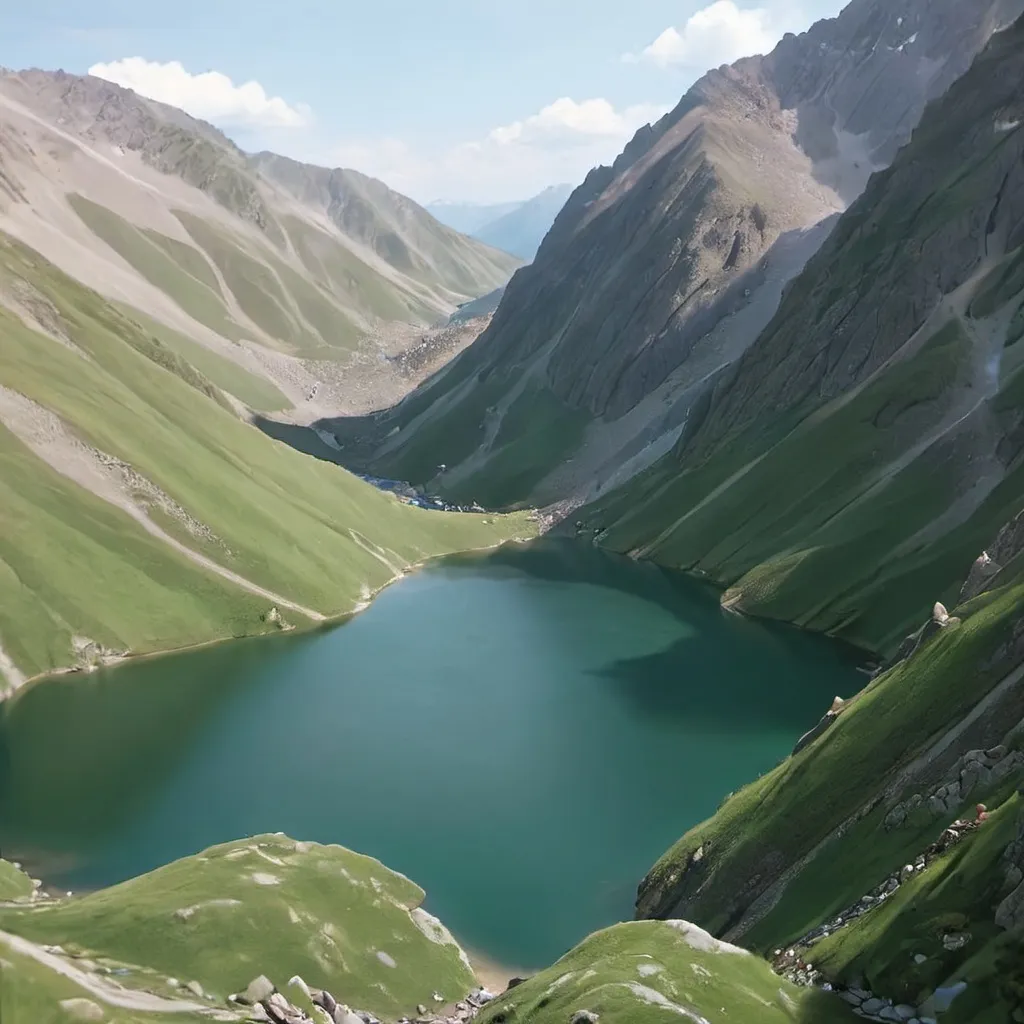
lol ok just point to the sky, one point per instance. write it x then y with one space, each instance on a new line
460 100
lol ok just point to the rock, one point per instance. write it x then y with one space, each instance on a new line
300 985
421 1010
889 1013
939 614
484 996
851 997
584 1017
920 958
905 1011
259 989
82 1009
258 1013
343 1015
327 1001
173 983
196 989
955 940
872 1005
906 871
437 997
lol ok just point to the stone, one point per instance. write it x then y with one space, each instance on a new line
941 999
920 958
258 1013
300 985
421 1010
259 989
584 1017
872 1005
851 997
327 1001
889 1013
343 1015
437 997
196 989
955 940
173 983
906 1011
82 1009
484 996
906 871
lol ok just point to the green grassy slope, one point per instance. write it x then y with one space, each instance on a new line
256 392
654 972
162 261
32 993
14 884
75 564
266 905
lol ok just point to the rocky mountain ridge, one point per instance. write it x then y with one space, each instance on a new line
662 269
268 263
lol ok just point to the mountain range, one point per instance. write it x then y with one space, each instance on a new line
518 228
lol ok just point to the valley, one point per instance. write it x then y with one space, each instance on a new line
639 566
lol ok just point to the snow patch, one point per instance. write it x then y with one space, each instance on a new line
262 878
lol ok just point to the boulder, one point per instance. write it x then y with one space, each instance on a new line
259 989
584 1017
82 1009
872 1005
300 985
196 989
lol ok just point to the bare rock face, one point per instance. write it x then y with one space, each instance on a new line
662 269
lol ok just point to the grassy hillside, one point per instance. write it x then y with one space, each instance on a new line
73 564
14 884
653 972
266 905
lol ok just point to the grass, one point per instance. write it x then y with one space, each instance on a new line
653 972
537 433
266 905
782 816
787 535
957 892
256 392
254 286
293 524
31 993
163 262
14 884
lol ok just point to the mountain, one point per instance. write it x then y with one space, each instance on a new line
469 217
520 231
142 513
517 228
662 270
269 269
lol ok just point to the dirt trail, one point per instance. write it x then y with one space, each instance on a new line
125 999
45 433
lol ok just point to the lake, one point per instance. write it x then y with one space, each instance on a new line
522 733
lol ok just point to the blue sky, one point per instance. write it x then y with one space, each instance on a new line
475 100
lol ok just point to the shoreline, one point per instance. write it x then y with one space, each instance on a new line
328 622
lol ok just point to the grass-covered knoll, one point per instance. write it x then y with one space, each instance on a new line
33 993
958 892
72 563
267 905
14 884
778 820
255 391
655 972
177 269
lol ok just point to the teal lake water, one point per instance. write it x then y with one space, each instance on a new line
523 734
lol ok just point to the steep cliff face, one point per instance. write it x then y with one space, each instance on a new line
661 270
844 472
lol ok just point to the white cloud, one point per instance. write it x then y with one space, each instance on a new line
209 95
719 34
561 142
